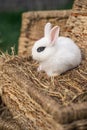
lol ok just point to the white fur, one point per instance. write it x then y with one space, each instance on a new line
61 53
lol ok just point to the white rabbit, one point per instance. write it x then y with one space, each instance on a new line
55 54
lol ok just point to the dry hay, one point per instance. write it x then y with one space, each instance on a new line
63 89
68 88
30 96
7 121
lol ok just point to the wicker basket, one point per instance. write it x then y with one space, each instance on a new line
33 25
34 101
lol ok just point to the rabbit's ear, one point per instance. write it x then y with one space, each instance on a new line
54 33
47 29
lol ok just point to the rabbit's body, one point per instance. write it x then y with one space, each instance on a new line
59 63
59 55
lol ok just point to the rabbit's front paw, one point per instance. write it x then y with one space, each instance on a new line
39 68
52 74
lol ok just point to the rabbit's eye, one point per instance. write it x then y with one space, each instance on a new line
40 49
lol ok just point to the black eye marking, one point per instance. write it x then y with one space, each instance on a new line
39 49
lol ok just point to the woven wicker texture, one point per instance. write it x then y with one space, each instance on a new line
34 105
77 23
33 26
33 101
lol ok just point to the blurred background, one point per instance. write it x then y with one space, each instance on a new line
10 17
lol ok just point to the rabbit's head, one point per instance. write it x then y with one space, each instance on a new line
44 48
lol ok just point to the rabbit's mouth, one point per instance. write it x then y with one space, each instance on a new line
34 57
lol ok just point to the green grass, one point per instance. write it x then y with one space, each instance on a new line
10 24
